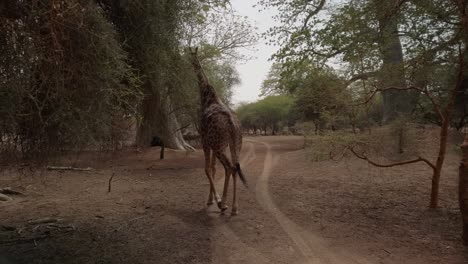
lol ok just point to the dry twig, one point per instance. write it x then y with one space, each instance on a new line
110 182
68 168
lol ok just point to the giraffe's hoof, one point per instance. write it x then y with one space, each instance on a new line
234 212
209 203
222 207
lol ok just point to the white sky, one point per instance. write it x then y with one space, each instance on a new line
254 71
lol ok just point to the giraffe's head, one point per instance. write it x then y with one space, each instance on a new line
193 52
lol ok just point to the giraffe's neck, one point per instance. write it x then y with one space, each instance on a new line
208 94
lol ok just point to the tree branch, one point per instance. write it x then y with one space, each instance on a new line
419 159
361 76
436 106
312 13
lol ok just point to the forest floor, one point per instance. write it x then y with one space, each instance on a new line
295 211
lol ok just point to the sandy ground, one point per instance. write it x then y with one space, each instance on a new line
295 211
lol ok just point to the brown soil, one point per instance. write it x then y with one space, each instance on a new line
295 211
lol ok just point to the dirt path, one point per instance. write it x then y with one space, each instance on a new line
156 213
249 253
312 248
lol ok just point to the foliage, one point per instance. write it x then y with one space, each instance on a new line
65 78
378 43
272 112
224 76
319 93
74 74
220 31
219 34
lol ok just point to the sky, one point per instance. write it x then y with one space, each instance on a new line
254 71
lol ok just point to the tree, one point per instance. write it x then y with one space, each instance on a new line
248 117
64 79
397 48
362 34
219 34
149 29
319 93
463 188
271 112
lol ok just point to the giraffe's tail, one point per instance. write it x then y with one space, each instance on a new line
241 175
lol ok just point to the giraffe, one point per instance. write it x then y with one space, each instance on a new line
220 129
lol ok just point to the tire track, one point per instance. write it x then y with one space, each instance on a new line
242 250
313 248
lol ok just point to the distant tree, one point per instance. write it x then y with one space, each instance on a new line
272 112
248 117
319 93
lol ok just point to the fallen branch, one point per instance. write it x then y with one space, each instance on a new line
110 182
8 190
45 220
68 168
24 240
419 159
62 228
5 198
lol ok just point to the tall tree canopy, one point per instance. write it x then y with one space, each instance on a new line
73 72
386 43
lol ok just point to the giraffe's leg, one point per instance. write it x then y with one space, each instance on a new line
227 177
213 175
234 195
207 153
213 171
228 171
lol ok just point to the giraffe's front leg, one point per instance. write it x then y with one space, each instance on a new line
210 178
210 198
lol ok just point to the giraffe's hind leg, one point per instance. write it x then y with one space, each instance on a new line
212 197
228 171
234 194
212 190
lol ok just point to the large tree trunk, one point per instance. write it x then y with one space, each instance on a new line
392 72
463 189
158 119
